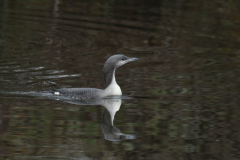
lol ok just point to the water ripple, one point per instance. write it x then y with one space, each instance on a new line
57 76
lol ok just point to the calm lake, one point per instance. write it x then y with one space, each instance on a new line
180 99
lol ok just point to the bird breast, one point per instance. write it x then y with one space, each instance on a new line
113 89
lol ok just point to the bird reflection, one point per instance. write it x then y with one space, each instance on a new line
110 132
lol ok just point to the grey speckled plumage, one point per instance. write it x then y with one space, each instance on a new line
112 87
82 93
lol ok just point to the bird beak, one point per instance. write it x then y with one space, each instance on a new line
132 59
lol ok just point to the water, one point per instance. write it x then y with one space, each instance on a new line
181 98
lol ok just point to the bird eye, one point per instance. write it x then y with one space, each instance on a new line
122 59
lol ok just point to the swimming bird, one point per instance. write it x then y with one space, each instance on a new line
112 88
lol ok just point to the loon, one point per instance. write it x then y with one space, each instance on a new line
112 88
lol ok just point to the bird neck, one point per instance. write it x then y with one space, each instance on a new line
109 75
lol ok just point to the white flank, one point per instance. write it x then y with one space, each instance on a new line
56 93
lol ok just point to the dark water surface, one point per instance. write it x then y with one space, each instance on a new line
184 91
